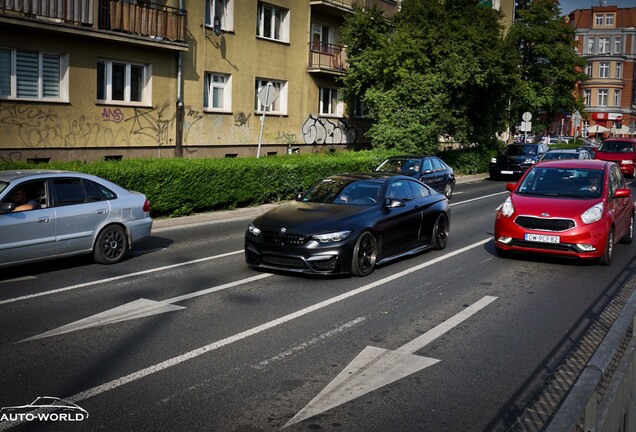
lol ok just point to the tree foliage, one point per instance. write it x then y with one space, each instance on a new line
549 68
437 68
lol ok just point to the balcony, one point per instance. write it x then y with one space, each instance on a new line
327 58
136 18
340 7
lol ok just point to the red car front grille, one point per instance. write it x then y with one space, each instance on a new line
543 224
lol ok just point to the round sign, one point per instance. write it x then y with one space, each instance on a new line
527 116
619 118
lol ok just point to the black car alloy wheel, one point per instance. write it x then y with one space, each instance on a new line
365 253
440 232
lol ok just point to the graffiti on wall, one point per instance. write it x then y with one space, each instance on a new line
41 127
240 119
318 130
286 138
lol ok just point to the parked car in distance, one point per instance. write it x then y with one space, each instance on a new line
619 150
559 154
349 223
515 159
74 213
573 208
428 169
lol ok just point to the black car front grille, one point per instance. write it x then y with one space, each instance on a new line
535 223
273 237
289 262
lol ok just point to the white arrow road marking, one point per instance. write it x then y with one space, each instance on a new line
138 309
376 367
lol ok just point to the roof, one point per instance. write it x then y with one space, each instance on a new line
576 163
17 174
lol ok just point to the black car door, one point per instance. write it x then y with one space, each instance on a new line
401 223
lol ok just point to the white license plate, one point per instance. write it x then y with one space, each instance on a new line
542 238
507 172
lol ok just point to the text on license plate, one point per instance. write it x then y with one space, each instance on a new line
542 238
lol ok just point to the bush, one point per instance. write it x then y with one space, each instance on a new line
179 187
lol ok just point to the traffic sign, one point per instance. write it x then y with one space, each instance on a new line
527 116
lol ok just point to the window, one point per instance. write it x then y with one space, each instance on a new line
590 45
603 70
589 69
33 75
320 37
603 45
272 22
279 106
587 96
598 19
617 98
609 20
224 9
217 94
123 82
358 108
602 98
619 70
329 104
617 44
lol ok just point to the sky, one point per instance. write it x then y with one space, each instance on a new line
568 6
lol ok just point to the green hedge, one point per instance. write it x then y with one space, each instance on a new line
179 187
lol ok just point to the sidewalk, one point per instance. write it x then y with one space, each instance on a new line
246 213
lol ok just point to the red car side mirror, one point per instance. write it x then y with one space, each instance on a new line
511 186
622 193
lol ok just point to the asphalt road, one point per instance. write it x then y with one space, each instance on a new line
182 335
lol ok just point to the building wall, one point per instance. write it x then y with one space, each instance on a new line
591 35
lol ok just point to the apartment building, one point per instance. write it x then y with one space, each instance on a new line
606 38
112 79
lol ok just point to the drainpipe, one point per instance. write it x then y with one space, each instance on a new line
178 149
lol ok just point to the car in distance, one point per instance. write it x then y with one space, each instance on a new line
428 169
573 208
76 213
515 159
619 150
559 154
348 224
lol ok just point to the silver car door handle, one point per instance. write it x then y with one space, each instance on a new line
43 220
101 211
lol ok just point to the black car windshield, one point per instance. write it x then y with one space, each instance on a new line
344 192
520 150
561 182
559 155
400 165
616 146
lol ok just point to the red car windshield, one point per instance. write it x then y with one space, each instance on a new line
616 147
561 182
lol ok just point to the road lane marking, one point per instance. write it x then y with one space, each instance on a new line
174 361
130 275
478 198
138 309
376 367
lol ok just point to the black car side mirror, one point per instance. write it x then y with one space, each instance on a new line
393 203
6 207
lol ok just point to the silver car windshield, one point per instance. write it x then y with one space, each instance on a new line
560 182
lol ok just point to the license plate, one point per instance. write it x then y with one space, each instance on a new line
507 172
542 238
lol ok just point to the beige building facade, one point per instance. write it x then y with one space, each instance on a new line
112 79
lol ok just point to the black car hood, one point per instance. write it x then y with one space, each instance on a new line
305 217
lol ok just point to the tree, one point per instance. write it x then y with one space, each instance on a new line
438 68
549 68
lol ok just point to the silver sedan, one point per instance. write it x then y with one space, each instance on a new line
47 214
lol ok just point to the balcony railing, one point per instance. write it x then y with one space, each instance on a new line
388 7
143 19
327 57
140 18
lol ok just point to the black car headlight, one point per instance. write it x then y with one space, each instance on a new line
253 230
333 237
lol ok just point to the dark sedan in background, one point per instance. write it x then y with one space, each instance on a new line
349 223
515 160
428 169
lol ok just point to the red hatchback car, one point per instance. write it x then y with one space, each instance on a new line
574 208
619 150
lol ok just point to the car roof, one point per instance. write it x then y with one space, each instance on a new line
380 176
576 163
410 156
564 150
11 175
633 140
